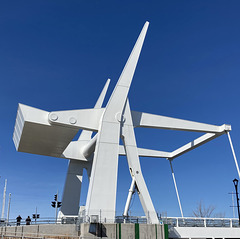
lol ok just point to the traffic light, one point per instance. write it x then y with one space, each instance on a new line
59 204
55 197
53 204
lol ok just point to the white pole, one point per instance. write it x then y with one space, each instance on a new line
4 198
9 202
175 184
130 193
233 152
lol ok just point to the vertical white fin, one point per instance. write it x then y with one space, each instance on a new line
86 135
105 162
123 85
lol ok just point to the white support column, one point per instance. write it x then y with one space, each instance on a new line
130 145
234 155
175 184
72 189
130 193
103 182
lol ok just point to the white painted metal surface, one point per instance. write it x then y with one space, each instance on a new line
51 134
234 155
175 185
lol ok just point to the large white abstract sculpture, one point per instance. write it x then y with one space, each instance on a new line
51 133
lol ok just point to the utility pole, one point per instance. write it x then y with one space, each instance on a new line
9 202
233 206
4 199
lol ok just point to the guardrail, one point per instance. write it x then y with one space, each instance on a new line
171 221
200 222
47 220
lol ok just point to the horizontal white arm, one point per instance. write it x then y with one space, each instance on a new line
194 144
146 153
141 119
87 119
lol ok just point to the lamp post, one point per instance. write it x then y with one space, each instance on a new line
235 182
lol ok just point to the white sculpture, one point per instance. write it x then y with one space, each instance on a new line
51 133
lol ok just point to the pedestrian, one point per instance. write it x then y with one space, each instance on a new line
18 220
28 220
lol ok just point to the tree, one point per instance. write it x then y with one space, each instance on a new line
219 215
202 211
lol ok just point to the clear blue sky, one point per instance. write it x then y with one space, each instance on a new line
57 55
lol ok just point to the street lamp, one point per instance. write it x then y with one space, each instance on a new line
235 182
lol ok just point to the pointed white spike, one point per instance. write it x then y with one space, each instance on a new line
102 95
106 152
86 135
123 85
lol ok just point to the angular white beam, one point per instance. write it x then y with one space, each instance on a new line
86 119
129 141
34 134
129 197
72 188
195 143
141 119
106 151
176 189
82 150
86 135
146 153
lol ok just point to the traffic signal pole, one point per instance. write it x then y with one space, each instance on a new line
56 206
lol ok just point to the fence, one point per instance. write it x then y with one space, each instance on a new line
200 222
171 221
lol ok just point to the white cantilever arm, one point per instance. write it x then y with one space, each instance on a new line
194 144
141 119
176 153
87 119
146 153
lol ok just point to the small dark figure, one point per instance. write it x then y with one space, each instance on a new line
18 220
28 220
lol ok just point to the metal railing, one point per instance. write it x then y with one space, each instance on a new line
200 222
47 220
171 221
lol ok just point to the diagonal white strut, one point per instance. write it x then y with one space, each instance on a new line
130 145
130 193
233 152
73 183
103 183
175 184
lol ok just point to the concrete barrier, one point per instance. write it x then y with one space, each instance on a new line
86 231
122 231
41 231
